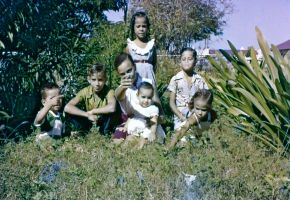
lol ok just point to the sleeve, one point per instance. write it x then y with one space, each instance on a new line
154 111
200 83
45 125
40 124
204 84
111 94
126 104
172 85
81 94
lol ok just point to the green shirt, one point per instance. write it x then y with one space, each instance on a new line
92 100
53 124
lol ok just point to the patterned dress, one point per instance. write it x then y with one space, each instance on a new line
143 58
184 92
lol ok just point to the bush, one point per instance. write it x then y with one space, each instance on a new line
256 92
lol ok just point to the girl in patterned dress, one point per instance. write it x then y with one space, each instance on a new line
183 86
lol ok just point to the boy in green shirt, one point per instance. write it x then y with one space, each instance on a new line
98 99
50 120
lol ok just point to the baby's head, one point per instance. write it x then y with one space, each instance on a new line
139 25
201 102
97 77
50 91
188 59
125 66
145 94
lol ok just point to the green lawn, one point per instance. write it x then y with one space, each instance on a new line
228 165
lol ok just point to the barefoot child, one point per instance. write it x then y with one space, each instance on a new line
201 115
183 86
144 123
50 119
98 99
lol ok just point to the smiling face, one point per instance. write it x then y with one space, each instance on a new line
97 81
140 28
145 96
201 108
50 94
187 61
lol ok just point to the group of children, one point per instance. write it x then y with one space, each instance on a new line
141 109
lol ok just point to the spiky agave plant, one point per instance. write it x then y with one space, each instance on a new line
257 92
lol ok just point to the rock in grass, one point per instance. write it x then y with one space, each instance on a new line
49 172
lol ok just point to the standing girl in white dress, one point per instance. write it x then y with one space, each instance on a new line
143 51
141 48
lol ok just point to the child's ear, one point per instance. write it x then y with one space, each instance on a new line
43 101
89 79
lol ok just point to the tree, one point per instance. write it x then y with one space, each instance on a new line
43 41
178 23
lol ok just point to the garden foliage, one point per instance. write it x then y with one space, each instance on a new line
49 41
257 91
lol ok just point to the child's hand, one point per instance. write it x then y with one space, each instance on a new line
91 112
54 101
126 81
92 118
152 137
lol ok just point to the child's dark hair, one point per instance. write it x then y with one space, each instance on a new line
47 86
133 19
203 94
145 85
121 58
96 68
194 53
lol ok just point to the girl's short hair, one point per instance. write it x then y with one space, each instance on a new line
133 19
194 53
96 68
203 94
47 86
121 58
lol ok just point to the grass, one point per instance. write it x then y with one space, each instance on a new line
228 165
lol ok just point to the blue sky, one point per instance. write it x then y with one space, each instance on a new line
271 16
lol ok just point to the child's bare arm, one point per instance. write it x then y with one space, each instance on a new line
153 128
72 109
109 108
49 103
173 106
124 85
183 130
126 50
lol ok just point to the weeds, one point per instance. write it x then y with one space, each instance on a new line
226 163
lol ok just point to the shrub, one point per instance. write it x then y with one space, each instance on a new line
258 92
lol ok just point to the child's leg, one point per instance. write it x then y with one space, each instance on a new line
142 142
79 124
130 139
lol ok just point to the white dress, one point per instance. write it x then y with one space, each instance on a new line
138 124
143 58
